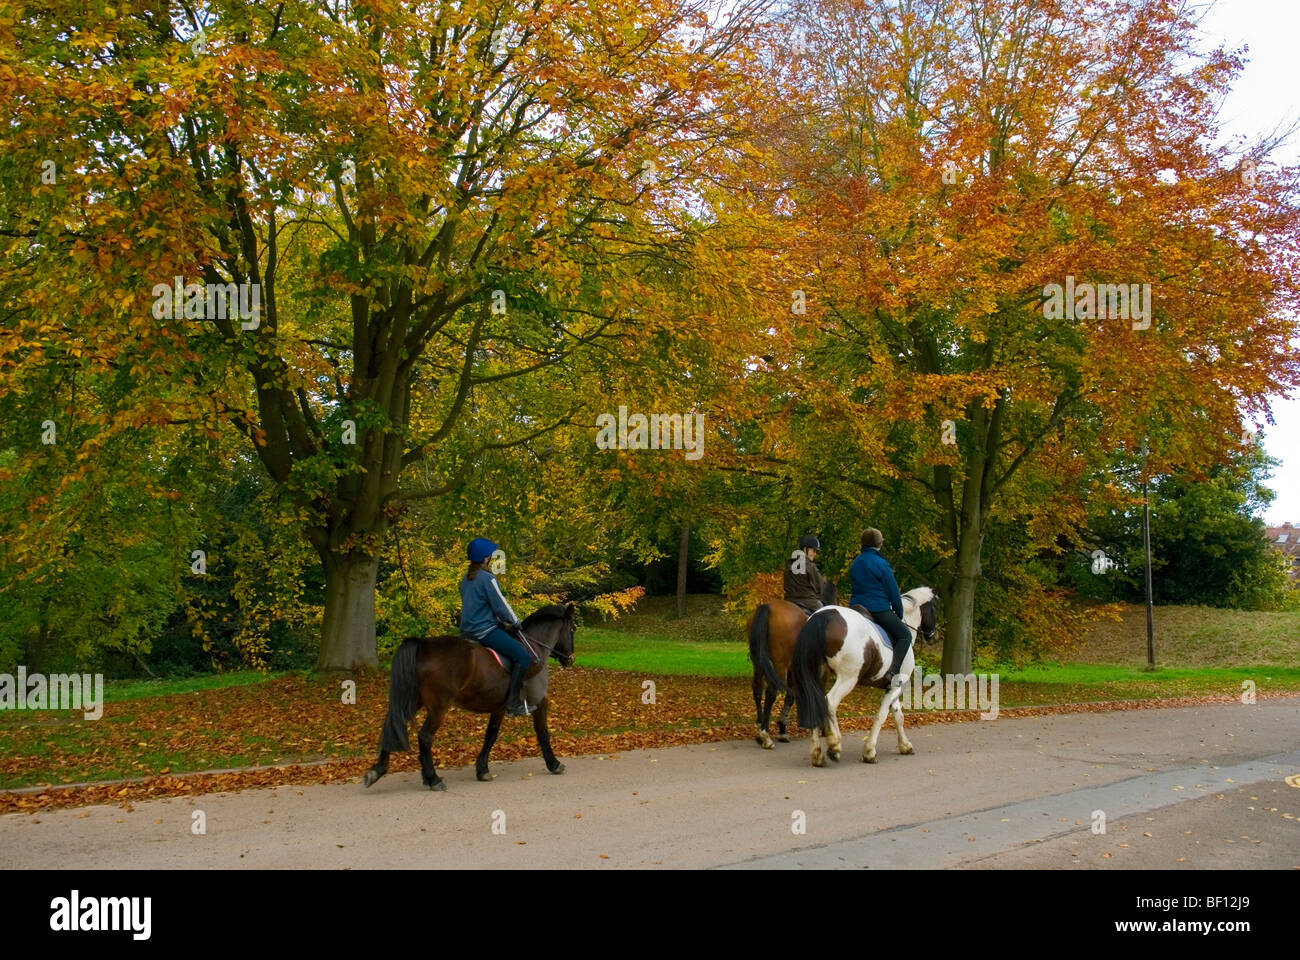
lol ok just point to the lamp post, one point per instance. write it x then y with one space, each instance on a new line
1146 547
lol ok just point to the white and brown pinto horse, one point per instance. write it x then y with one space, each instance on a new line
856 650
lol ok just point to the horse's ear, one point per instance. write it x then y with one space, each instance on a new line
569 610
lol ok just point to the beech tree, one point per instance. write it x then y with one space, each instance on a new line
965 187
420 206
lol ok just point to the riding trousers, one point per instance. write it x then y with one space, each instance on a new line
511 650
899 632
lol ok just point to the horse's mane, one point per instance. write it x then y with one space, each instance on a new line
555 611
919 595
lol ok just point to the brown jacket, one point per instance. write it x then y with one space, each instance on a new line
805 588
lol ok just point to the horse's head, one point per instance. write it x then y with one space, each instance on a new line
926 605
554 627
569 627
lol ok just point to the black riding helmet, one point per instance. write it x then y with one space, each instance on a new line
809 542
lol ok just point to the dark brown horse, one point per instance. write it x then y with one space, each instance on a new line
436 672
772 632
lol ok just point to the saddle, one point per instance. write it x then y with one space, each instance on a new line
874 662
884 634
501 663
532 657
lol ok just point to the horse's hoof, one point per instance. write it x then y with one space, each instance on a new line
557 769
904 751
782 738
868 758
371 778
767 744
435 783
835 755
485 776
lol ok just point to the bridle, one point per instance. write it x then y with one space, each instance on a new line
530 642
918 631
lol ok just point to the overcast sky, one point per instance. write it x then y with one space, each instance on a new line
1264 96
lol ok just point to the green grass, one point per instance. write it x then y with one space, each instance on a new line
116 691
641 653
1097 673
635 653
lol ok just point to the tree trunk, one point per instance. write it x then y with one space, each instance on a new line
681 570
958 639
959 631
348 629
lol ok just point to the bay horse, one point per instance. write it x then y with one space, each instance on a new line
772 631
856 649
436 672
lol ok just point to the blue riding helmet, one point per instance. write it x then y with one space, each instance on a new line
480 548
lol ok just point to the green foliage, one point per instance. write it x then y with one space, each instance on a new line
1207 545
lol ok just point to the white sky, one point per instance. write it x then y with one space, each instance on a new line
1263 98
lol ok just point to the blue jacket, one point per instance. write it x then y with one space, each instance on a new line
874 586
482 606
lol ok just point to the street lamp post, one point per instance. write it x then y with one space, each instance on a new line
1146 547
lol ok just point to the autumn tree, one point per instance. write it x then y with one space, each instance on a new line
421 205
965 186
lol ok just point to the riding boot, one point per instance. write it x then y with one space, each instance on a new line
514 705
896 664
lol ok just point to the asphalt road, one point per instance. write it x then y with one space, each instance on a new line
1196 787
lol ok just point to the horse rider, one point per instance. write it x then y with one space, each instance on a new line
875 588
803 581
483 615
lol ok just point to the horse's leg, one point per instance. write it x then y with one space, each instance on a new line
493 728
904 745
544 736
783 719
432 720
843 684
782 728
378 770
886 704
768 702
760 717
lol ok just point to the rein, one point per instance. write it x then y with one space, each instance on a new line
530 641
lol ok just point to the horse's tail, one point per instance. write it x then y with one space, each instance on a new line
403 697
760 652
809 658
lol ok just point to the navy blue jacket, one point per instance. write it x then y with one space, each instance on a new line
874 586
482 606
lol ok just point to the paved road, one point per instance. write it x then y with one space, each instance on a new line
1208 784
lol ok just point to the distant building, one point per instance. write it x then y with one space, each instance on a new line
1287 539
